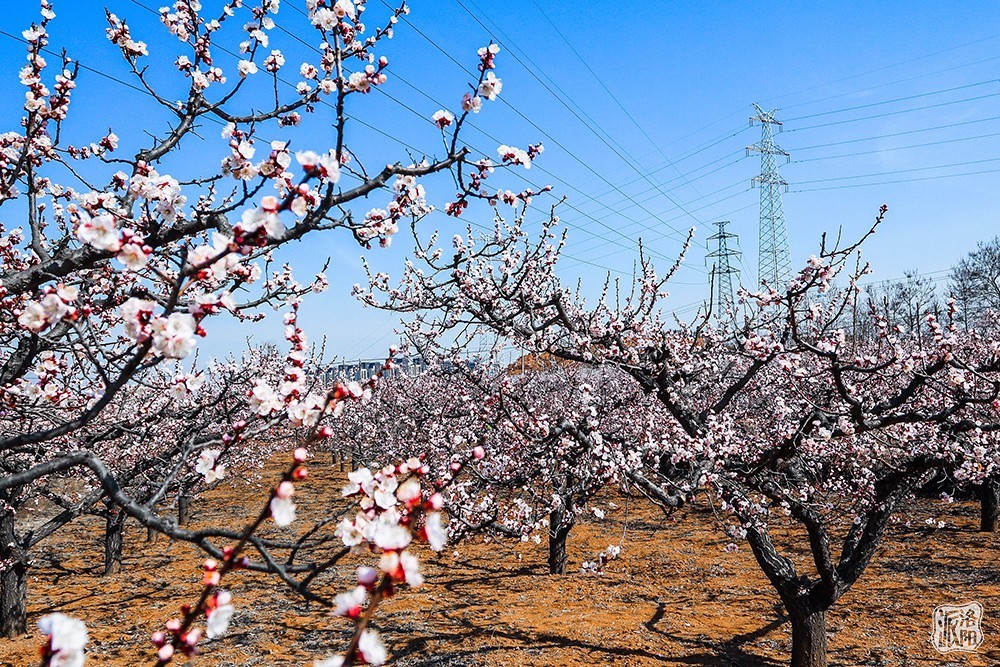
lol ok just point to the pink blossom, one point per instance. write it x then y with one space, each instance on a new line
33 317
133 256
350 603
173 336
217 621
443 118
207 467
472 103
490 87
367 576
371 648
246 67
282 511
324 166
332 661
389 535
100 232
437 536
344 9
67 637
402 566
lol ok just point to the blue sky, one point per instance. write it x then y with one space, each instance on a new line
644 113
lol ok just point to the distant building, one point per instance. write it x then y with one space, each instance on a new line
361 370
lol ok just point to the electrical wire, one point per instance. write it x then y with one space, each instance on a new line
894 113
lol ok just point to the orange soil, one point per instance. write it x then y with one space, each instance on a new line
674 597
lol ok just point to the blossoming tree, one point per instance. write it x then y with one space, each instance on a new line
122 260
781 415
550 439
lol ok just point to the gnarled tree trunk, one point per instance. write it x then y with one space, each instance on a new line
114 538
808 636
183 506
152 535
989 512
558 532
13 581
806 610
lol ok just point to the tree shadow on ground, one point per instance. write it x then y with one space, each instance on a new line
519 644
719 653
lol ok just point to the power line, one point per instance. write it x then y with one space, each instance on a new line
883 68
532 71
727 214
886 281
873 71
600 81
643 175
904 180
517 174
899 171
898 134
897 148
893 101
742 156
657 235
428 120
695 151
895 82
895 113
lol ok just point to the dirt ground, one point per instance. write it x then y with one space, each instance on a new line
674 597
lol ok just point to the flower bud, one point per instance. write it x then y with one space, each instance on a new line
367 576
435 502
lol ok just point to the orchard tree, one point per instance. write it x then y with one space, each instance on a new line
975 282
905 302
548 440
782 415
122 259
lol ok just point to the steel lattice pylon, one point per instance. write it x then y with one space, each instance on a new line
723 303
774 259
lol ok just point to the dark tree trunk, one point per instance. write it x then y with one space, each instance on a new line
13 581
151 535
342 458
806 611
114 539
558 532
808 636
989 495
183 506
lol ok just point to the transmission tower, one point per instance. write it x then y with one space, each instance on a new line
775 263
723 270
